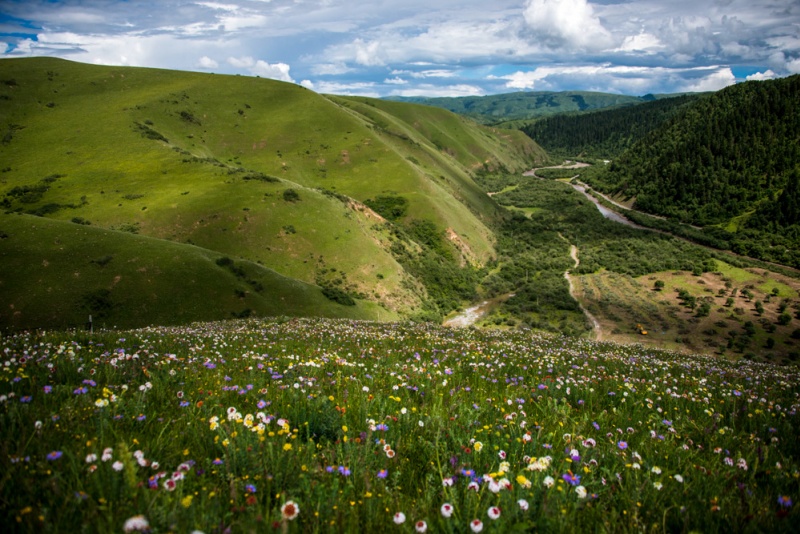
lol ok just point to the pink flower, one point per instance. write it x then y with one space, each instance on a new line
493 512
399 518
290 510
446 509
420 526
476 525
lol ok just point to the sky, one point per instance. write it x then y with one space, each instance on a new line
430 48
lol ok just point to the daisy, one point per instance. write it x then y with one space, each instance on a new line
493 512
290 510
548 482
399 518
446 509
581 491
476 525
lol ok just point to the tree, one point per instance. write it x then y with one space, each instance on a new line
659 285
759 307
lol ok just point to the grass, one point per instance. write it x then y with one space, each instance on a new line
621 303
58 273
218 426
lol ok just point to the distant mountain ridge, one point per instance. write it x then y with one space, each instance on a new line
493 109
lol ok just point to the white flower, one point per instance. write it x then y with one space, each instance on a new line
523 505
107 454
137 523
420 526
91 458
658 485
581 491
446 509
117 466
421 424
399 518
548 482
493 512
476 525
656 470
678 478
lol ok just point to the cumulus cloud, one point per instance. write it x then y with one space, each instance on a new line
206 62
566 23
441 90
760 76
275 71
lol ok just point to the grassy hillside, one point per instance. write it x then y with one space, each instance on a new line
256 169
55 274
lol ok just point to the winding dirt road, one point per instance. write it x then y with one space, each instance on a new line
598 332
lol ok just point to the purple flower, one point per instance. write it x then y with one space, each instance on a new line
26 399
622 445
571 479
47 389
596 426
217 461
184 404
55 455
250 488
383 473
785 501
344 471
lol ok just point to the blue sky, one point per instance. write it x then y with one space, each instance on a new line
425 47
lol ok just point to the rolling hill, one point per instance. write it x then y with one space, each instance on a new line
254 170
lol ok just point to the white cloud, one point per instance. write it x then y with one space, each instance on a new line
642 42
395 81
275 71
793 66
440 90
715 81
759 76
566 23
206 62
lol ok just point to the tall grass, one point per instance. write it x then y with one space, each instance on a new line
217 426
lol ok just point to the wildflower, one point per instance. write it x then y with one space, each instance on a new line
571 478
91 458
137 523
741 463
656 470
581 491
785 501
678 478
477 446
476 525
502 455
383 473
473 485
170 484
117 466
446 510
420 526
658 485
493 512
290 510
250 488
622 445
217 461
107 454
548 482
399 518
523 481
47 389
55 455
523 505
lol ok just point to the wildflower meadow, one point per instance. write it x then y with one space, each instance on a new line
344 426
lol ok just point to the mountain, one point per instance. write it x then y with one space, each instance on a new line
720 161
494 109
604 133
267 174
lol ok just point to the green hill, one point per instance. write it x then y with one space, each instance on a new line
253 169
604 133
494 109
719 161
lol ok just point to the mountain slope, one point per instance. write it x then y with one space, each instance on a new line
255 169
492 109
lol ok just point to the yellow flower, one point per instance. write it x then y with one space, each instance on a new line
478 446
287 446
186 502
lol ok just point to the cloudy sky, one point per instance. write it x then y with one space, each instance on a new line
425 47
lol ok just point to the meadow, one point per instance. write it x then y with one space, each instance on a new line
312 425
